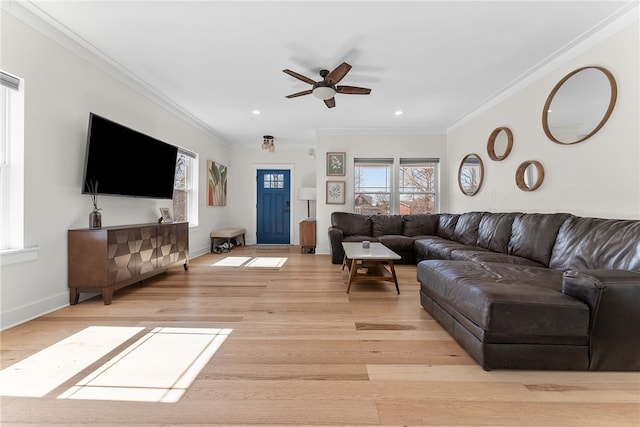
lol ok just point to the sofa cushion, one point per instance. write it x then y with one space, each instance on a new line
351 224
506 300
386 224
359 238
485 255
466 229
444 248
397 243
422 243
597 243
494 231
533 235
419 224
447 225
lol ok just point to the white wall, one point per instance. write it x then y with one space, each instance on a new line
598 177
372 146
60 90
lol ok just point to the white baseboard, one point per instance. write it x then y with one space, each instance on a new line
33 310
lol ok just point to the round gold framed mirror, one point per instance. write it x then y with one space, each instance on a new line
529 175
500 143
579 105
470 174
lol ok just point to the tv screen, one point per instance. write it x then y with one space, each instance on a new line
125 162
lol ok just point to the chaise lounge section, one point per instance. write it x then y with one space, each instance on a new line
529 290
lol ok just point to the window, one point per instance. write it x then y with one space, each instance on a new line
418 186
185 188
11 162
273 180
372 179
383 186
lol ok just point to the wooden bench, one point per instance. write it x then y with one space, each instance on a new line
227 233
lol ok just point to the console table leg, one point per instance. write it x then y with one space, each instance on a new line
107 296
74 296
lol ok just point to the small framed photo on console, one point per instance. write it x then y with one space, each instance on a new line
165 215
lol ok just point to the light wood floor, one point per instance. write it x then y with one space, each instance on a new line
303 352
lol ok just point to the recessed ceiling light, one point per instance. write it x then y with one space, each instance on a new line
256 112
398 113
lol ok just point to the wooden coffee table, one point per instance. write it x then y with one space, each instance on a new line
367 264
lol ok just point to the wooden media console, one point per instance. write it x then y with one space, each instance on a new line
110 258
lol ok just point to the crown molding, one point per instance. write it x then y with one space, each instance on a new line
32 15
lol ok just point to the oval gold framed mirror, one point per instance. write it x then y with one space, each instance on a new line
470 174
579 105
529 175
500 143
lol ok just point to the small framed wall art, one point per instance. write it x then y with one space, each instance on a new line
335 192
335 164
165 215
216 184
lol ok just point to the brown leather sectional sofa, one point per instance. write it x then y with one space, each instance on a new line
520 290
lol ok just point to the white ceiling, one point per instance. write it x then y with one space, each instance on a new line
435 60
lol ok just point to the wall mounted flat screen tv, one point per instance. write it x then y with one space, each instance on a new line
125 162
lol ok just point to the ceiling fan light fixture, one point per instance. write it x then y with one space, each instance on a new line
324 92
268 144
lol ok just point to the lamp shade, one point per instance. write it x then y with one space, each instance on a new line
306 193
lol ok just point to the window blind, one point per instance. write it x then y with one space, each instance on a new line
9 81
418 160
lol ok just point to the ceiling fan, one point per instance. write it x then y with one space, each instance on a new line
326 88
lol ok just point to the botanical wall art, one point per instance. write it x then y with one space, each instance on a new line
335 192
335 164
216 184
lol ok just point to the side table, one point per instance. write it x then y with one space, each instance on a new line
308 236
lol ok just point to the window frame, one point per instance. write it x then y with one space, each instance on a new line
11 164
190 186
435 186
385 164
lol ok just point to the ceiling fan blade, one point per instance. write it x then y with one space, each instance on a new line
331 102
338 73
299 77
304 92
353 90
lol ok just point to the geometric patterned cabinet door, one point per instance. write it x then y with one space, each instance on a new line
111 258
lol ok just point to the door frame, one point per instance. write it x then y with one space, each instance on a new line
292 190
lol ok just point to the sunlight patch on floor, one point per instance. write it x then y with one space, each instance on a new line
269 262
242 261
159 367
42 372
231 261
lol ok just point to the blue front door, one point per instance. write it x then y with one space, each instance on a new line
274 207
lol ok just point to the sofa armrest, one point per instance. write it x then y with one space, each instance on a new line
613 297
335 245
